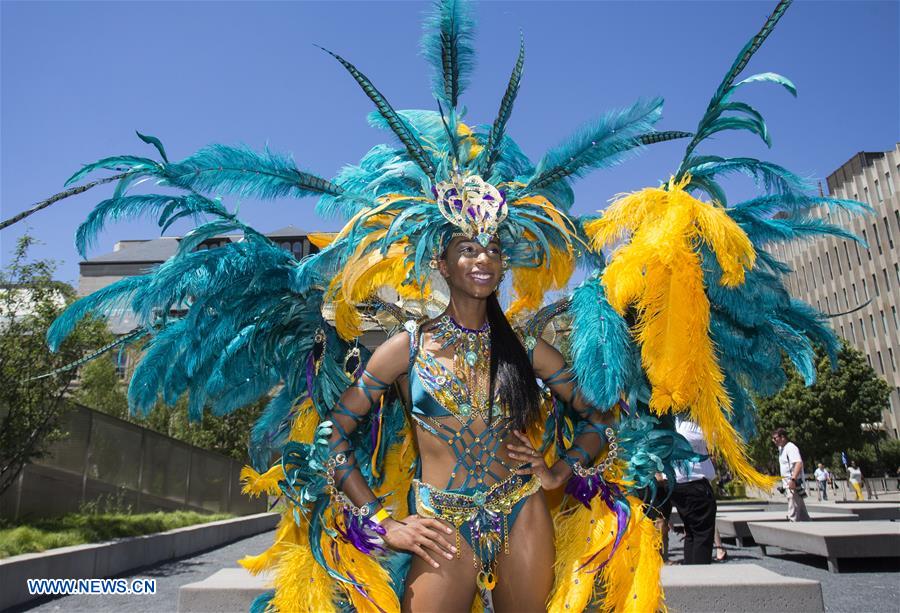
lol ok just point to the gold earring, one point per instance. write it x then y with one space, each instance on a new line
433 264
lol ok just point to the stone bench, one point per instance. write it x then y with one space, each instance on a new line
735 525
864 510
738 587
833 540
719 587
676 522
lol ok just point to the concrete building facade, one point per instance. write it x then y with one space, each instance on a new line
861 285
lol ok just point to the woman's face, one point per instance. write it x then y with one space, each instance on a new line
470 268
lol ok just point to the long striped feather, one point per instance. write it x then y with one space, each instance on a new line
495 136
447 46
396 123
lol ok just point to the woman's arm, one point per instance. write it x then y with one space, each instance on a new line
419 535
550 366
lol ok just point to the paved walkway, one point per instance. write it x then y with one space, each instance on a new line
864 587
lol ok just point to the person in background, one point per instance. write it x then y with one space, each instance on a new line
856 479
694 498
791 464
822 478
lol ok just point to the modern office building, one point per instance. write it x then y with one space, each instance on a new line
860 285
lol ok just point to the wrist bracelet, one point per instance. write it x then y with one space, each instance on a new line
611 455
380 516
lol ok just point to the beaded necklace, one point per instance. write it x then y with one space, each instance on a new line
471 364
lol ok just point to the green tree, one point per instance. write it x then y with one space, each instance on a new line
825 418
101 388
30 409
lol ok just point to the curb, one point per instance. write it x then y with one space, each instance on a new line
101 560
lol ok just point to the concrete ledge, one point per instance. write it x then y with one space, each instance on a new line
833 539
865 510
230 589
717 587
98 560
738 587
735 524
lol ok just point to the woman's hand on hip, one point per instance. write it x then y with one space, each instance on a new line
422 536
550 479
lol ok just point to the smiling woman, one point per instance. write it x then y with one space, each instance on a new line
466 461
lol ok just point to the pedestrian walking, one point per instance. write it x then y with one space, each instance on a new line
823 477
791 464
856 479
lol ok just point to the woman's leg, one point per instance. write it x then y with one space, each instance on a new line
451 587
525 575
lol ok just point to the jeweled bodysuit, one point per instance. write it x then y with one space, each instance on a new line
483 494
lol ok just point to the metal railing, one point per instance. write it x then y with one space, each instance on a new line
106 459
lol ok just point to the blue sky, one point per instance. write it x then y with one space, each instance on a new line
78 78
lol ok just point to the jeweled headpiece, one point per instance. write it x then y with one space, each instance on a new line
473 205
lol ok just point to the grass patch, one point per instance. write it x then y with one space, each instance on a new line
30 536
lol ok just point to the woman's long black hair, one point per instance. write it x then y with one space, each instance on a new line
511 373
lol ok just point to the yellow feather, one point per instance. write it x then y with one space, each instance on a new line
658 270
301 584
287 534
530 284
257 485
321 239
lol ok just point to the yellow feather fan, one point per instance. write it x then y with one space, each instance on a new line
630 579
658 270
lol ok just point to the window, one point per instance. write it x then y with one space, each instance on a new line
847 253
866 240
828 262
827 305
866 195
897 219
821 270
880 363
846 301
887 280
877 239
855 294
897 271
869 360
891 356
836 305
887 232
858 260
894 315
872 325
878 191
837 260
842 332
852 333
888 183
883 322
862 329
865 289
875 284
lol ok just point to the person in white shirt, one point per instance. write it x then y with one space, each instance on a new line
822 478
694 498
856 479
791 474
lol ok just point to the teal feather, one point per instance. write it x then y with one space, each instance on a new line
100 303
750 48
601 346
416 152
152 140
597 144
447 46
120 162
246 173
130 207
495 136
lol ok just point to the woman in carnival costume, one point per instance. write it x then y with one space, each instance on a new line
441 444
